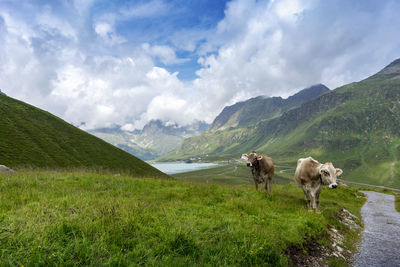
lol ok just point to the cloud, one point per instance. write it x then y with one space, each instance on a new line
107 33
164 53
146 9
80 61
275 48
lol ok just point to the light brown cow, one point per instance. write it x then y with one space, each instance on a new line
262 169
310 175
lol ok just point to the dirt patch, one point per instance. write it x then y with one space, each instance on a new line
314 254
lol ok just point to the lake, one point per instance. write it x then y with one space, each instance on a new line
179 167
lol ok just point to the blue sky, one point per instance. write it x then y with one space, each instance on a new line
128 62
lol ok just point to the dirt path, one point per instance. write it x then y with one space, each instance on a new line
380 245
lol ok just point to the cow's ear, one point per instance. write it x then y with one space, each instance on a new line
245 156
338 171
260 157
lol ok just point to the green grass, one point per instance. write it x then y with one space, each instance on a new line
80 218
33 138
233 174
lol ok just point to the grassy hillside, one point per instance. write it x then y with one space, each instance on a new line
30 137
356 126
55 218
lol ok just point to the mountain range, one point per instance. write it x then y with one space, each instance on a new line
155 139
356 126
237 123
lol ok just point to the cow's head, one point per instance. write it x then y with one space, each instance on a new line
252 158
328 174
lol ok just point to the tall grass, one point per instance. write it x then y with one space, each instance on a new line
78 218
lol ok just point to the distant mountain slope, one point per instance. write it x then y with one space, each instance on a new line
154 140
357 126
236 123
261 108
30 137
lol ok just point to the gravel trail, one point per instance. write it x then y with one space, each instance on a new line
380 245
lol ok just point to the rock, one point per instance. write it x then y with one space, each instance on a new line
5 169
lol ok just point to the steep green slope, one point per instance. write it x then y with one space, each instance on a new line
356 126
86 219
30 137
236 123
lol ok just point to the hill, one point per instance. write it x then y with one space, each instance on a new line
356 126
86 219
30 137
155 139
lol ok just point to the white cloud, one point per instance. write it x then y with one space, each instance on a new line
276 48
81 67
107 33
147 9
164 53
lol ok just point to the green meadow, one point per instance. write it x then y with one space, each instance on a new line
50 218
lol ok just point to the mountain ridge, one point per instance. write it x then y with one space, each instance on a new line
154 140
260 107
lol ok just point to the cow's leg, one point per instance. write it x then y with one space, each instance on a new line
314 205
270 184
307 193
266 184
317 198
255 182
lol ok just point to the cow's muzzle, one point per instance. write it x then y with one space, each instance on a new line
333 186
249 164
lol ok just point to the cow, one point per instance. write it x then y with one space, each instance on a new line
262 169
310 175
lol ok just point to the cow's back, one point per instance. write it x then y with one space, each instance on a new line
266 165
306 170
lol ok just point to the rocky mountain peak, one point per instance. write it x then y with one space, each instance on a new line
392 68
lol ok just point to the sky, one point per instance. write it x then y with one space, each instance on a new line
99 63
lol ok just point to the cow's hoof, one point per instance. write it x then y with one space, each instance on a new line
310 210
318 211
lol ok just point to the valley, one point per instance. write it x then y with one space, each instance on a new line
356 126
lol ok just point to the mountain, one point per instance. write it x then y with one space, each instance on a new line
356 126
155 139
2 92
237 123
262 108
31 137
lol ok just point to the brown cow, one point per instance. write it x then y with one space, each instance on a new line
262 169
310 175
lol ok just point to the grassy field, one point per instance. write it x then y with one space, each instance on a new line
80 218
234 174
